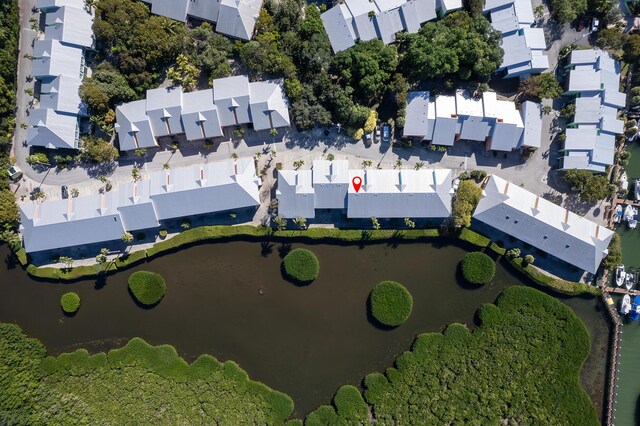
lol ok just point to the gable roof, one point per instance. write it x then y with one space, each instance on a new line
51 129
62 94
542 224
268 105
237 18
52 58
295 194
70 25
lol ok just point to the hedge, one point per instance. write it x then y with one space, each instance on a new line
569 288
147 287
477 268
391 303
474 238
301 265
500 251
70 302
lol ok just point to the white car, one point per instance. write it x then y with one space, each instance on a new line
595 25
14 173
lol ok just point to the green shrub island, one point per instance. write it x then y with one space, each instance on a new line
70 302
148 288
521 364
301 265
138 384
477 268
391 303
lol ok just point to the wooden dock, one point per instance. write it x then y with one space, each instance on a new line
622 290
614 363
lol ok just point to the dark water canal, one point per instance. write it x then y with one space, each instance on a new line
304 341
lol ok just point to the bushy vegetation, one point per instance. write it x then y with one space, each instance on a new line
569 288
137 384
477 268
567 10
301 265
541 86
474 238
147 287
9 32
592 187
464 202
614 257
391 303
70 302
522 362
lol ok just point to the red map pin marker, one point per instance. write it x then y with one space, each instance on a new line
357 183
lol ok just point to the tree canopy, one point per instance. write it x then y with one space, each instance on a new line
567 10
541 86
459 46
465 201
592 187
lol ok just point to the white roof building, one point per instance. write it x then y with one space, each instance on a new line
207 188
59 64
71 26
523 46
234 18
365 20
201 114
383 194
133 126
400 193
50 129
72 222
594 79
447 119
542 224
211 187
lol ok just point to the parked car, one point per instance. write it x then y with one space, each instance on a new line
386 133
376 139
65 191
14 173
367 138
595 25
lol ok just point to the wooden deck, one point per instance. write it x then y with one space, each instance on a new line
615 355
621 290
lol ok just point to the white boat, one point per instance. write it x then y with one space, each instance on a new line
620 275
636 189
617 217
629 214
633 222
628 280
625 307
624 182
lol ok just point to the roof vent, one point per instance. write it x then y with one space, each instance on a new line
506 188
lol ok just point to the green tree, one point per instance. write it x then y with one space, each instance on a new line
209 51
101 258
9 212
127 237
592 187
464 202
614 256
542 86
375 224
632 48
567 10
98 150
529 259
611 38
183 73
409 223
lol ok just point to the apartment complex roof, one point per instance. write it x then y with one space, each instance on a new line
70 25
201 114
364 20
542 224
234 18
52 58
523 45
50 129
383 194
207 188
62 94
594 77
449 118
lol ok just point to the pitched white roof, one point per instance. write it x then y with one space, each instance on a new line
71 222
70 25
212 187
232 94
365 20
268 105
237 18
400 193
295 194
133 126
174 9
135 206
51 5
51 129
532 115
52 58
449 117
542 224
330 182
164 109
200 115
61 94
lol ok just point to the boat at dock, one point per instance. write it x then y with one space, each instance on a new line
620 275
629 280
617 217
634 314
631 216
636 189
625 306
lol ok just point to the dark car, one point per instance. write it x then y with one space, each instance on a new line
65 191
386 133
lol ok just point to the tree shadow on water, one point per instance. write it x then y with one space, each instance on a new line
284 249
101 282
266 248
